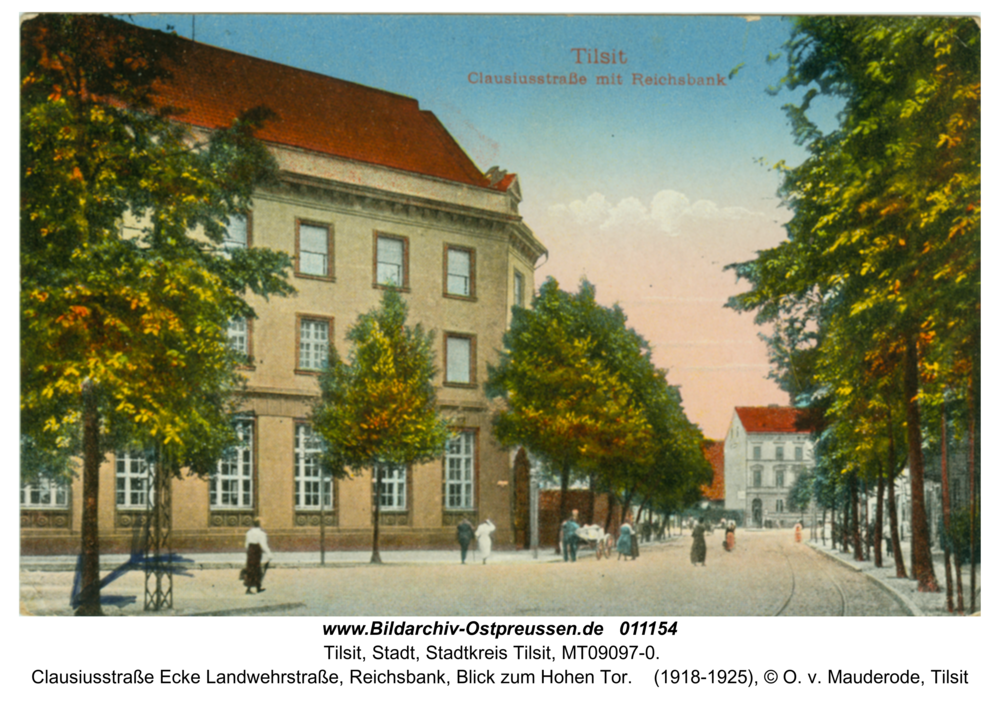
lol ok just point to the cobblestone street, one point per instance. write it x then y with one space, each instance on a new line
768 574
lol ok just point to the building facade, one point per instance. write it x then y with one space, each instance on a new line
372 192
765 450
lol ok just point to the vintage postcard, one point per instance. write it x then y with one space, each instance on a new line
496 320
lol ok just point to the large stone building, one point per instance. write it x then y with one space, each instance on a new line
766 448
372 191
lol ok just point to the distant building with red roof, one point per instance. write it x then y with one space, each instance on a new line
372 191
765 449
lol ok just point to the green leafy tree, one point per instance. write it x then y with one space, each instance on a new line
886 227
379 410
125 298
561 380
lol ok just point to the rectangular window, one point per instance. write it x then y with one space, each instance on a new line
779 478
460 268
459 353
460 465
756 452
231 486
309 477
238 336
798 452
237 234
518 289
779 452
393 495
45 493
133 480
779 506
313 257
314 344
756 478
391 261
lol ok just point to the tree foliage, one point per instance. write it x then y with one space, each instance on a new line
123 212
379 409
578 387
878 284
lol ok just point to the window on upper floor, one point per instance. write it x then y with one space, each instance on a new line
391 261
798 453
779 452
460 272
779 506
314 250
313 343
518 289
459 359
779 478
756 452
237 234
757 478
238 336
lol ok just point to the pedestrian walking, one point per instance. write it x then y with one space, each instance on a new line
256 546
569 539
465 533
730 542
798 532
484 542
698 548
625 539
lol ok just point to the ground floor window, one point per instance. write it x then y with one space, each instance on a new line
309 477
393 494
460 460
231 486
779 506
133 480
45 493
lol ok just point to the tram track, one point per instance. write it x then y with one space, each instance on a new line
804 586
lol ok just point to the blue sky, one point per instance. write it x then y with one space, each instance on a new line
647 191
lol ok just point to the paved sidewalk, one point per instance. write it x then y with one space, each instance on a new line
336 558
905 590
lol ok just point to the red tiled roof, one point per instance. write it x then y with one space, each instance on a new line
715 453
772 419
315 112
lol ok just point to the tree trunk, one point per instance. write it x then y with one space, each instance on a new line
897 555
855 525
972 497
611 511
89 602
376 556
563 489
822 527
845 531
879 516
946 511
923 566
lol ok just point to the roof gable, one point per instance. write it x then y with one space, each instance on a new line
772 419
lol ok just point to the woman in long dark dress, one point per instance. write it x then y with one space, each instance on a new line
698 547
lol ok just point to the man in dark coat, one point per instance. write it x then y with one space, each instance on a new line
464 537
569 528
